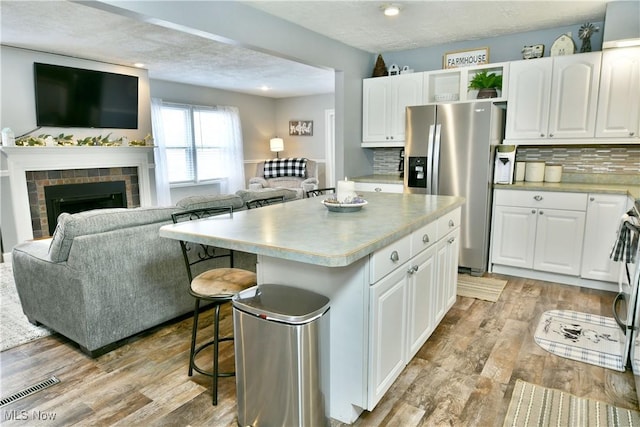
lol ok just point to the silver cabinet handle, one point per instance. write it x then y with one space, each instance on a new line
542 135
451 223
550 135
377 189
451 240
425 238
537 198
631 133
413 269
592 198
394 256
533 211
541 212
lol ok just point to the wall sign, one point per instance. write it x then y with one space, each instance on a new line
301 127
465 58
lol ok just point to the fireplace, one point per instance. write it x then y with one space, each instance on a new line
73 198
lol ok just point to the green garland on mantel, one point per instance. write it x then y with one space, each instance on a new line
44 140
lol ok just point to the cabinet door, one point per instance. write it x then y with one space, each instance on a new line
559 237
388 331
618 106
513 236
406 91
376 102
422 280
574 95
528 99
603 219
447 251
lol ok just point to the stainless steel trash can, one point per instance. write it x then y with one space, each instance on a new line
281 348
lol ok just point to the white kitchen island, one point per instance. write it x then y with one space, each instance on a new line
388 269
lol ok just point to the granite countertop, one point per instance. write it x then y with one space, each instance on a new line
380 178
630 190
305 231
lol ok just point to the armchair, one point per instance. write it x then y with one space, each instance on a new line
289 178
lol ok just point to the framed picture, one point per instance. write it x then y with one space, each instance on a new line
465 58
301 127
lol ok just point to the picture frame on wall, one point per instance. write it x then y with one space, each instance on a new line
301 127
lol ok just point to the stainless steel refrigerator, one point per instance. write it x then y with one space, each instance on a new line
450 151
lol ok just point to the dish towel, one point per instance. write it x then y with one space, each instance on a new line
626 245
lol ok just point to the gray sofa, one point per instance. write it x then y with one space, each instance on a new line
106 274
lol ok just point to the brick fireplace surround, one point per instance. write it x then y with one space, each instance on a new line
75 164
38 180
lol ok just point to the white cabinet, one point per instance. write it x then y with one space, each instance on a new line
388 323
413 284
539 230
553 98
379 187
384 100
603 218
619 99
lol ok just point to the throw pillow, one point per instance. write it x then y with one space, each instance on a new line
295 166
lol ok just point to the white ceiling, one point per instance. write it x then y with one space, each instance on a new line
74 29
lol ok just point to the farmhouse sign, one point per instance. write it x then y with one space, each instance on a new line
466 58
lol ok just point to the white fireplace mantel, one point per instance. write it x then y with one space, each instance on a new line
22 159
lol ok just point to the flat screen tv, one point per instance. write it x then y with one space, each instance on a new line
74 97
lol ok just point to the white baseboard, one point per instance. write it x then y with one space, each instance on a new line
552 277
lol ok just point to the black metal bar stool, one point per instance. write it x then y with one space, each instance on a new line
215 286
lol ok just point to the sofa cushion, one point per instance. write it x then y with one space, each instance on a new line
100 220
211 201
266 193
295 166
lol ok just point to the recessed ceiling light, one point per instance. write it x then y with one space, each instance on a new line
391 9
138 65
265 88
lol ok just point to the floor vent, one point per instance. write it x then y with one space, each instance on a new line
29 391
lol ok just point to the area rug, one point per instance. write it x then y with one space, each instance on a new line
484 288
533 405
583 337
15 329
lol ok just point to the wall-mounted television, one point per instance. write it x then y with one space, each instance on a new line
75 97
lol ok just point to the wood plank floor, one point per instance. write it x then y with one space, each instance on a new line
463 376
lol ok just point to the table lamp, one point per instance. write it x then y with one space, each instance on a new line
277 145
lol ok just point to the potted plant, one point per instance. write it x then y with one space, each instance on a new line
487 84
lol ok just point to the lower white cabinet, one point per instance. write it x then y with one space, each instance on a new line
379 187
570 234
603 218
409 300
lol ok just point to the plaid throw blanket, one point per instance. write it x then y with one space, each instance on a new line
295 166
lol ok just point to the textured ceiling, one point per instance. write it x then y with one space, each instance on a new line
74 29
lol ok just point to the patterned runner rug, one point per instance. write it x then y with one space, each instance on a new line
15 329
533 405
484 288
583 337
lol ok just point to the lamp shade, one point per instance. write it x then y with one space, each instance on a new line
276 144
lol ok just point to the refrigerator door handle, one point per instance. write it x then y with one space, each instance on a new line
430 143
434 161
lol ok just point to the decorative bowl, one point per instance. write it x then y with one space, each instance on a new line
334 206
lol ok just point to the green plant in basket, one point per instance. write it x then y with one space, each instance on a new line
487 84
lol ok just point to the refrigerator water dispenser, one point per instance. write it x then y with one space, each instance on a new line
505 164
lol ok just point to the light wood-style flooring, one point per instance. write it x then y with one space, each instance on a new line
463 376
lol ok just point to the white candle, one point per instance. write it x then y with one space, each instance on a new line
346 190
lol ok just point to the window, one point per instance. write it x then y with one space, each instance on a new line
202 144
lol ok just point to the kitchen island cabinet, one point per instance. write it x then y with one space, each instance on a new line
301 244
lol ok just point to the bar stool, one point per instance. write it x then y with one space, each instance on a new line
258 203
320 192
215 286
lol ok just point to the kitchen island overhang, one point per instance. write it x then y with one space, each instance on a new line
301 244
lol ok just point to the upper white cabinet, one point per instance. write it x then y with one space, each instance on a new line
384 102
452 85
553 98
619 98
